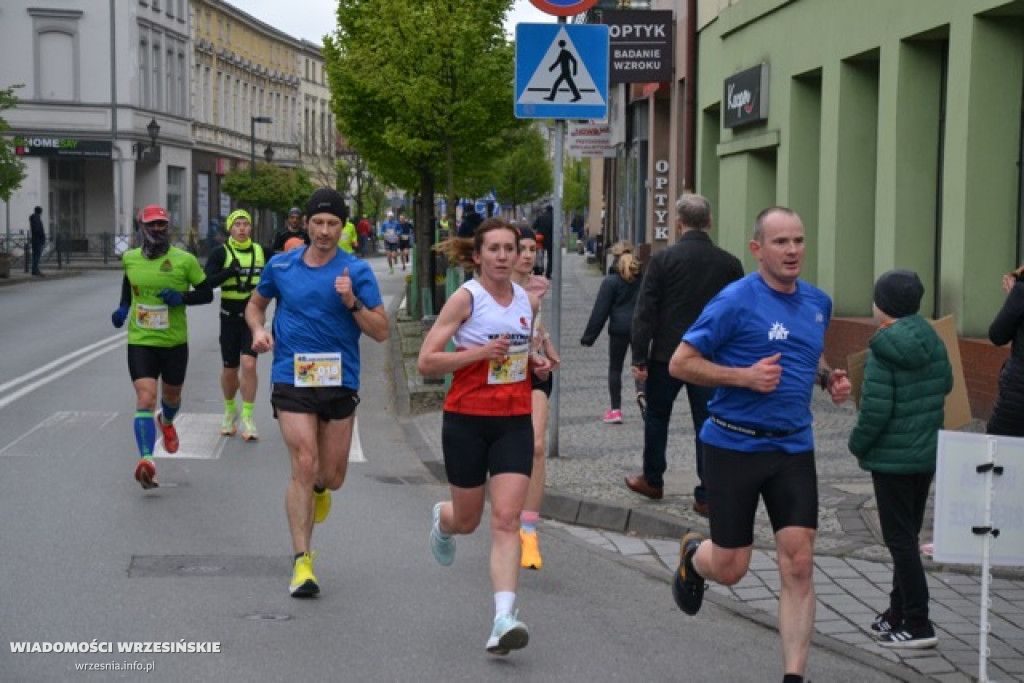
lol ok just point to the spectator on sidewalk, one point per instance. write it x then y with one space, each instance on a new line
544 227
677 284
906 378
760 342
38 238
1008 328
615 303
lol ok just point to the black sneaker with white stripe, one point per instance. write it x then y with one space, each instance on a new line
909 638
886 622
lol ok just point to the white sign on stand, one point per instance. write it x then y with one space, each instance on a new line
961 495
979 514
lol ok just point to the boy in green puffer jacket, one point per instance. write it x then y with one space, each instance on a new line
906 379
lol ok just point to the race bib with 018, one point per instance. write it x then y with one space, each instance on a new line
512 368
148 317
318 369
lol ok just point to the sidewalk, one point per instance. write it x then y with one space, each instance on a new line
586 498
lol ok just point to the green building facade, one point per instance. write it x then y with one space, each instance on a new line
893 127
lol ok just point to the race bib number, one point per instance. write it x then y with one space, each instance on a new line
512 368
149 317
318 369
389 232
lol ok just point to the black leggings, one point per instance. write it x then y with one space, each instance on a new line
618 344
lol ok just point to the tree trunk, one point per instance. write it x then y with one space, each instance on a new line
424 247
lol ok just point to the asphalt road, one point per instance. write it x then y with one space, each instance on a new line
203 561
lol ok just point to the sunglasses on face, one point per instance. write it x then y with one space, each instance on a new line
157 224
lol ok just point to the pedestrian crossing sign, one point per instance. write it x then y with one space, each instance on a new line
561 71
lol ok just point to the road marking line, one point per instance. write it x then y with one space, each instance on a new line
49 366
57 374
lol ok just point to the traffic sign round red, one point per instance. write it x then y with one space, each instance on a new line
563 8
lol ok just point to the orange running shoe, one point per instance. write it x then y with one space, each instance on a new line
170 434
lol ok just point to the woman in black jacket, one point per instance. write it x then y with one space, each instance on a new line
1008 327
615 303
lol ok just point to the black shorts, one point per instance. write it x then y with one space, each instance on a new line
327 403
788 483
477 445
154 362
404 242
544 385
235 339
392 246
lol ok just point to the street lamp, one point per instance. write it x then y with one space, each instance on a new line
154 130
268 154
253 120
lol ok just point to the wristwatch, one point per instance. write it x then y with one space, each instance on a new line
356 306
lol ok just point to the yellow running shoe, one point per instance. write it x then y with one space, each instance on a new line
531 551
321 505
249 432
228 424
303 581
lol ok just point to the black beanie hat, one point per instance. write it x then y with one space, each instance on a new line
326 200
898 293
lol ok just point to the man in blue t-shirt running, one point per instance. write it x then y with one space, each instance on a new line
760 342
326 299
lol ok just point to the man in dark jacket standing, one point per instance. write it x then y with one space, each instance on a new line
35 222
678 283
544 225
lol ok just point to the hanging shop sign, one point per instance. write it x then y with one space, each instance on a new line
48 146
640 45
590 139
746 97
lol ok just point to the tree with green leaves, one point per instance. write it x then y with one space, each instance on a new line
12 169
523 174
576 186
422 89
267 186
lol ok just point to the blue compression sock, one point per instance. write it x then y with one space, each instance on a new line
145 432
168 412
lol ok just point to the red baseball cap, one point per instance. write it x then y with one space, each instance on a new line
153 213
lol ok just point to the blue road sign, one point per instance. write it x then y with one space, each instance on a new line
561 71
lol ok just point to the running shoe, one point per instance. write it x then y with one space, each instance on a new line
613 417
443 545
303 581
886 622
508 634
228 424
321 505
249 432
909 638
687 585
170 434
530 558
145 474
928 550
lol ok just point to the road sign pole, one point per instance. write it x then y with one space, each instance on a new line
556 279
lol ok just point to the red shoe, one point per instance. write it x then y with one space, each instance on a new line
170 434
145 474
